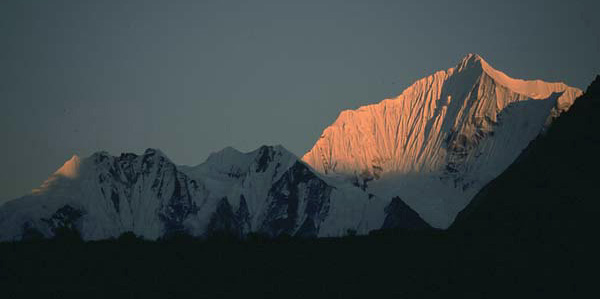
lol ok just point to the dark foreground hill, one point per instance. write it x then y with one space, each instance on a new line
528 234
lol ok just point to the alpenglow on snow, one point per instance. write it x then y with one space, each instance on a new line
408 162
440 141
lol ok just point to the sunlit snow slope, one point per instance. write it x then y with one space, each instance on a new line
442 139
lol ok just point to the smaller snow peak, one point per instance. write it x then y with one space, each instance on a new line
265 148
228 161
266 155
278 148
151 151
155 152
226 155
230 149
100 157
101 154
284 151
71 168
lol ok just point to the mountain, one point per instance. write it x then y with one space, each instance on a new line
282 195
539 217
410 162
551 191
103 196
440 141
268 191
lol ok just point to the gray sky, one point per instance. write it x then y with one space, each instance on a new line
191 77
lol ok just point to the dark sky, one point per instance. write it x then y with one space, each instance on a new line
191 77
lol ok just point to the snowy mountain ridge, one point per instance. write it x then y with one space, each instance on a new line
268 191
408 162
441 139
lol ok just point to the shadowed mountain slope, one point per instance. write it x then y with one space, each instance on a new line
552 190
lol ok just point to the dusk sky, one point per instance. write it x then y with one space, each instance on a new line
192 77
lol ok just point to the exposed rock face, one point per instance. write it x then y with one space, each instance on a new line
299 189
443 138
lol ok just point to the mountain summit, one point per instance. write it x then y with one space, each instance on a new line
443 138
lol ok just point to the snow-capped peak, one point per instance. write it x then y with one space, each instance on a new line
152 152
535 89
230 162
443 137
432 147
267 190
71 168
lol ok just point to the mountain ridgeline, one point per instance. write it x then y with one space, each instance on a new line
525 150
529 233
440 141
267 191
412 162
